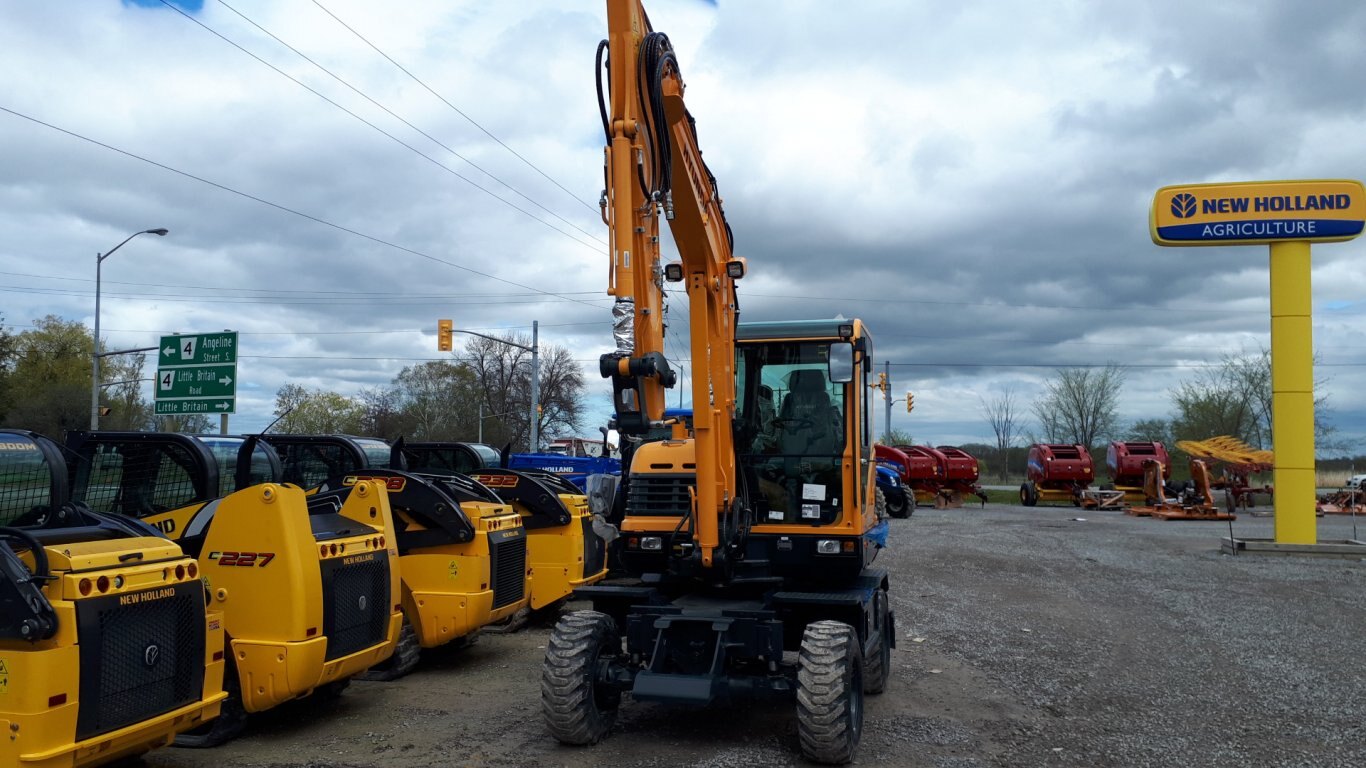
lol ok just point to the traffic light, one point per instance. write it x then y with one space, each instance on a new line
881 384
444 330
910 402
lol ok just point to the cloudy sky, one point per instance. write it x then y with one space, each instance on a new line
971 178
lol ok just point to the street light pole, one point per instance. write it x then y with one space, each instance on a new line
95 357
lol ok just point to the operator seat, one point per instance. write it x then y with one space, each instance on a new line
807 416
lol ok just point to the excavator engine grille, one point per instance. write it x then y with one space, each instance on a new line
659 495
507 555
356 603
141 654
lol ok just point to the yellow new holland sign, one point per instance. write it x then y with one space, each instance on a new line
1249 213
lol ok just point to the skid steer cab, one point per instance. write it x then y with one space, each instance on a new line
462 550
106 647
308 585
566 550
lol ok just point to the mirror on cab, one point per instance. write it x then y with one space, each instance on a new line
841 362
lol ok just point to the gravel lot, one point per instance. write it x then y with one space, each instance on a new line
1026 638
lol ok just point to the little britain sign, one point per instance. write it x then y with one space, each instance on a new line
1259 212
197 374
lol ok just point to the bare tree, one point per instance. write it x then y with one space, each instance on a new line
896 437
503 376
1002 412
382 415
438 400
1080 405
187 423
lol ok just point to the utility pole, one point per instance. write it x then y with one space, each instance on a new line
887 394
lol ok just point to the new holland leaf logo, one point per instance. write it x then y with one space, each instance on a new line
1183 205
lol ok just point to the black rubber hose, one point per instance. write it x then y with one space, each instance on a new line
601 64
43 572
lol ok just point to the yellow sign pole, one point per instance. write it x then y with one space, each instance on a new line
1292 393
1288 216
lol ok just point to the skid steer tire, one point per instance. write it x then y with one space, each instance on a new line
897 505
405 658
829 693
231 720
877 666
328 694
577 710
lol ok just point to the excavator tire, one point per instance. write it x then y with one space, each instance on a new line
404 660
829 693
577 711
877 666
231 720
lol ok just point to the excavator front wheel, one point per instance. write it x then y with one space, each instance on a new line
830 692
578 709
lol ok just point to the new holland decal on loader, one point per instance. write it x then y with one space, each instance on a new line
462 550
106 647
307 585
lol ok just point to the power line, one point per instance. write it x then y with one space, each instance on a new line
391 137
443 100
403 120
414 301
318 292
286 209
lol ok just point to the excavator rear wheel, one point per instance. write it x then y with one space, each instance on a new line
877 666
577 709
830 692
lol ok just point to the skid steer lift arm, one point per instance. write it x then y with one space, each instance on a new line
654 167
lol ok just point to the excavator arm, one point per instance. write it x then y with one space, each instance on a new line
654 167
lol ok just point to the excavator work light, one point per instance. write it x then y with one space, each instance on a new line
827 547
673 272
651 543
735 268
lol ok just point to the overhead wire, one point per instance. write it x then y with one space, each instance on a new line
374 127
456 109
285 209
405 121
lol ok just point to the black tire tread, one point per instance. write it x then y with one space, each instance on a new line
231 720
828 678
574 712
877 666
406 656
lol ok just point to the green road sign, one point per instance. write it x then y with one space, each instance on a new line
176 407
195 350
197 374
